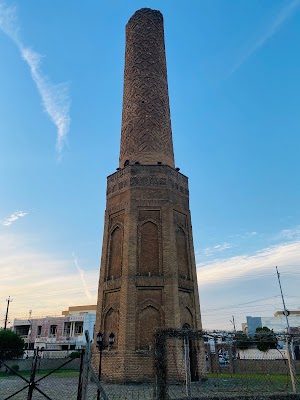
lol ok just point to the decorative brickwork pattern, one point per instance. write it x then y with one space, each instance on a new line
149 249
146 125
148 273
182 253
115 259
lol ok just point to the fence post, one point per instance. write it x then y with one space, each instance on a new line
86 368
291 364
32 374
80 380
187 365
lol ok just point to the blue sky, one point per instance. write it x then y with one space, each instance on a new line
234 85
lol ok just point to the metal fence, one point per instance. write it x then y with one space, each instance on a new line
194 364
187 364
40 374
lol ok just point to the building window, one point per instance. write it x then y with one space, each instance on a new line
67 328
39 331
22 330
53 329
78 328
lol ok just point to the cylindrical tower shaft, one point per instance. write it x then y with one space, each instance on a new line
146 126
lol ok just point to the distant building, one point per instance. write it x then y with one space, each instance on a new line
245 327
64 332
276 323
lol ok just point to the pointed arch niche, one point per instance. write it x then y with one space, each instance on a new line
149 252
149 319
115 253
187 317
182 253
111 325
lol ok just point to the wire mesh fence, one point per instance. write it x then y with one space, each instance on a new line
40 374
199 365
186 364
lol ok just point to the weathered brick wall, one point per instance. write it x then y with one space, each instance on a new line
148 272
145 298
146 125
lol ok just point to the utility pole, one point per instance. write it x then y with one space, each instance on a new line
285 311
289 344
9 300
233 323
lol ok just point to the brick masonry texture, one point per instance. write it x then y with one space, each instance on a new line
148 273
146 125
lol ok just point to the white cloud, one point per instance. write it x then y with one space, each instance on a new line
284 14
220 271
248 285
55 97
43 282
13 217
246 235
209 251
82 277
289 234
250 234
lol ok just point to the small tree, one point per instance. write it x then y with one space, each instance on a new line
265 338
11 345
242 341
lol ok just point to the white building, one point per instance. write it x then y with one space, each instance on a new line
277 323
64 332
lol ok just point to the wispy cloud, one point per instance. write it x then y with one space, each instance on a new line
209 251
13 217
55 97
283 15
248 282
289 234
41 281
81 274
246 265
249 234
245 235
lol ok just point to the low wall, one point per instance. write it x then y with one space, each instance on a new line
43 363
263 366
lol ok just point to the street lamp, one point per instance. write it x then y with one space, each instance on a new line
101 346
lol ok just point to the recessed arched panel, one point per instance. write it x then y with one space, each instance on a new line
149 320
111 325
182 253
149 249
115 254
186 317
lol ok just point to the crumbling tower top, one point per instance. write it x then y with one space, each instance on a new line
146 125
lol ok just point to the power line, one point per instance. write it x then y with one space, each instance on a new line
241 304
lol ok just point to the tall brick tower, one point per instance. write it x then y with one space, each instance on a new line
148 273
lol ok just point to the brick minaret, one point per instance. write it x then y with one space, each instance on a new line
148 273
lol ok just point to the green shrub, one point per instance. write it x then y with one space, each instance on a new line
11 345
75 354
